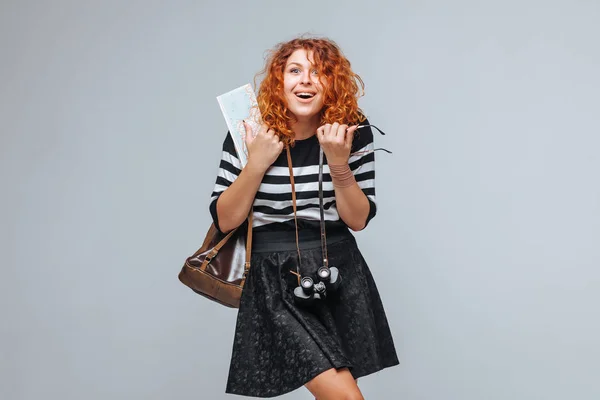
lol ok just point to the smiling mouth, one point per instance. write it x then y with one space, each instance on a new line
305 95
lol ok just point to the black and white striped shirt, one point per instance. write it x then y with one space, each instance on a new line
273 202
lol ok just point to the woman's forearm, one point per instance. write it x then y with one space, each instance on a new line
235 202
352 205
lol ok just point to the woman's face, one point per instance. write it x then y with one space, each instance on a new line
302 90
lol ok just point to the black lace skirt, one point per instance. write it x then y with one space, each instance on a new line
278 345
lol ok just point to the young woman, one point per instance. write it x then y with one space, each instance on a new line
308 101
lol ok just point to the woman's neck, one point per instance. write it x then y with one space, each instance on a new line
305 129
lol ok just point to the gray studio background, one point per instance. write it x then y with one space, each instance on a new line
486 246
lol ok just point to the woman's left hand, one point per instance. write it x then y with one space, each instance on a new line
336 141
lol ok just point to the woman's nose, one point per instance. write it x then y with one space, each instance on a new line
306 78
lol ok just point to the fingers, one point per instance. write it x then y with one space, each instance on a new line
320 131
323 131
266 132
264 148
265 129
342 133
273 138
269 137
336 133
350 135
330 132
249 134
352 129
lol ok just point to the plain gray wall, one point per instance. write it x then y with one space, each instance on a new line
486 247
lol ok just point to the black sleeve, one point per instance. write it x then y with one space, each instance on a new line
229 170
362 164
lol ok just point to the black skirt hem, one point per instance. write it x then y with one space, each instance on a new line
362 374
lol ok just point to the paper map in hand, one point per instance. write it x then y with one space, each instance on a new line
239 105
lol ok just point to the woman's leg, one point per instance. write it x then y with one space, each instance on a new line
335 385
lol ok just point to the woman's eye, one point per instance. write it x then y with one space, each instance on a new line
315 72
294 70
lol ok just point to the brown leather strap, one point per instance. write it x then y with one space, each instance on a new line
289 160
218 246
215 249
249 239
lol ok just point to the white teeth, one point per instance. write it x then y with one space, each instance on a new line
306 94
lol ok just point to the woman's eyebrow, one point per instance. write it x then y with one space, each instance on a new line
300 65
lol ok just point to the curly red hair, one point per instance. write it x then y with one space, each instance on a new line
341 93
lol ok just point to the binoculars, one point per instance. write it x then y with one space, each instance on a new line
329 279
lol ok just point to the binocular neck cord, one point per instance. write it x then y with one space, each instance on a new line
323 235
322 213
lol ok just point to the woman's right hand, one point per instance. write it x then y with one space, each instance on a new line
263 148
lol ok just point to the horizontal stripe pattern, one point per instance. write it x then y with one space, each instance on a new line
273 201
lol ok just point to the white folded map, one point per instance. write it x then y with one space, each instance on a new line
238 105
